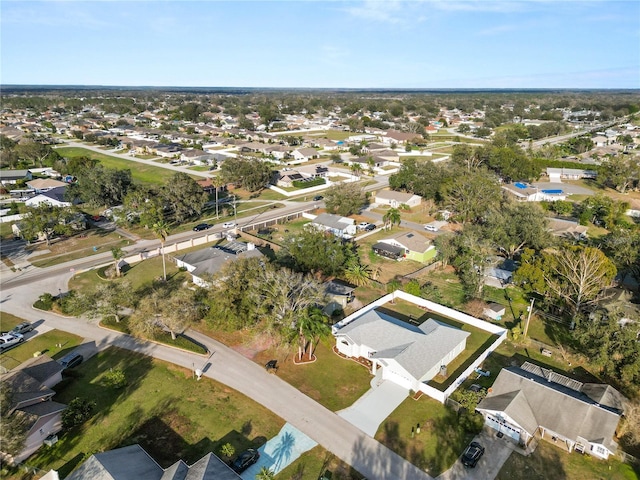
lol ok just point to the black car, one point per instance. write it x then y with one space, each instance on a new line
245 460
317 198
472 454
71 360
201 226
370 227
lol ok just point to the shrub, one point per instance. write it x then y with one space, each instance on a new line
310 183
114 379
44 302
78 411
471 422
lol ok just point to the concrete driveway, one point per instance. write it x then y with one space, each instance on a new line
371 409
497 451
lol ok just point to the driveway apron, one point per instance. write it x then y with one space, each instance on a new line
370 410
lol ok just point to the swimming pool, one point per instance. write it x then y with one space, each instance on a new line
553 192
520 185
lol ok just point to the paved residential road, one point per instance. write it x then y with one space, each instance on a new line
344 440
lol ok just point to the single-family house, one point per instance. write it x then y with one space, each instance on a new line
342 227
196 156
54 197
207 262
397 137
40 185
304 154
11 177
523 192
285 178
340 295
395 199
168 151
30 384
567 229
398 351
134 463
530 400
415 246
556 175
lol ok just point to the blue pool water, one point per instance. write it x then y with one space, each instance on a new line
520 185
552 192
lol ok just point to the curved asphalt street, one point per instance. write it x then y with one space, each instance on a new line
344 440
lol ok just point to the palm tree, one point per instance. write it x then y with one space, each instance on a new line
320 330
392 217
161 230
356 169
118 254
217 182
311 324
265 474
357 273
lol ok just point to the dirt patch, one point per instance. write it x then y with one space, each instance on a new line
259 343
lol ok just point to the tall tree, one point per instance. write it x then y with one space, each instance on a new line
46 220
161 230
185 197
15 423
344 199
251 174
472 196
357 273
516 226
391 218
118 254
312 251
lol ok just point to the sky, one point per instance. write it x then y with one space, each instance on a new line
418 44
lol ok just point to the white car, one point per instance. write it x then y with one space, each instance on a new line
9 340
229 224
362 225
431 228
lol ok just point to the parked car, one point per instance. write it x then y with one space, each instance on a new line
245 460
71 360
362 225
430 228
229 224
22 328
9 340
472 454
369 228
317 198
201 226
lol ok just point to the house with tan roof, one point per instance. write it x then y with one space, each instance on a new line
45 184
394 199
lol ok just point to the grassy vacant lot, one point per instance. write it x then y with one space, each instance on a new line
441 439
162 407
314 463
550 463
76 247
139 171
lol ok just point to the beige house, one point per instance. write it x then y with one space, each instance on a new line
395 199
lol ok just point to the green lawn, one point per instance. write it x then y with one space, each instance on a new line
54 343
139 171
331 380
441 439
163 408
314 463
551 463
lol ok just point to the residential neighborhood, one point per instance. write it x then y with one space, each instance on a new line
293 292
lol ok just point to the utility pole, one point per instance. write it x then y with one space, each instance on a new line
526 325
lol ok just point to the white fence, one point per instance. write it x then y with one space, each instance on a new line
12 218
432 392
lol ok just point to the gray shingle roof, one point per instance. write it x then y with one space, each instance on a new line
41 368
127 463
211 260
416 349
333 221
536 401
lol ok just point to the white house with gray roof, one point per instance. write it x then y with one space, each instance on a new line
530 400
342 227
395 199
406 354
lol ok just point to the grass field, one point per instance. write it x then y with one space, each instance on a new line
314 463
550 463
441 439
139 172
162 407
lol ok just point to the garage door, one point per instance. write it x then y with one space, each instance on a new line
389 374
506 429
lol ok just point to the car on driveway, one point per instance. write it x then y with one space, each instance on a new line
201 226
472 454
245 460
23 328
9 340
71 360
228 224
370 228
362 225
